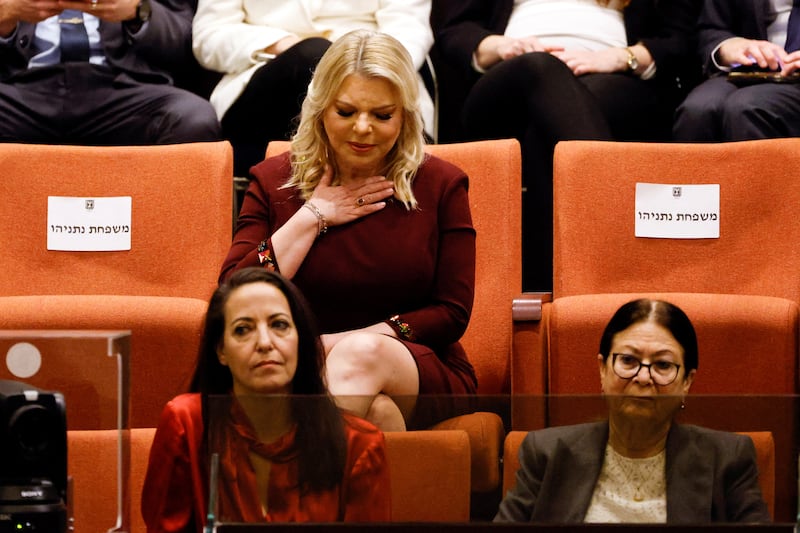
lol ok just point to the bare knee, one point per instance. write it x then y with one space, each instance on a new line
385 414
353 356
368 364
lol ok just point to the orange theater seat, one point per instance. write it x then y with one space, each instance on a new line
430 472
180 232
180 228
104 494
742 339
595 248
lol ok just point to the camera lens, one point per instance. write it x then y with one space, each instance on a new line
30 429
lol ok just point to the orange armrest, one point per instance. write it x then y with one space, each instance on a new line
527 307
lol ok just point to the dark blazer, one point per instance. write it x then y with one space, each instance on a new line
712 476
151 55
723 19
665 27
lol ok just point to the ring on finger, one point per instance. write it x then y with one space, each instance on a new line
360 201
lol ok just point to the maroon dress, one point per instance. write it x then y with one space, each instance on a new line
418 264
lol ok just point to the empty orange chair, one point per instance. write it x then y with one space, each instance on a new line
595 249
180 228
180 232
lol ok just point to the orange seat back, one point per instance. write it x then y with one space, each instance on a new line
595 249
103 494
164 341
741 340
736 288
180 227
430 475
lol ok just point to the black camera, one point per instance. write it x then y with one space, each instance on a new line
33 459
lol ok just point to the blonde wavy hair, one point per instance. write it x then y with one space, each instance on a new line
372 55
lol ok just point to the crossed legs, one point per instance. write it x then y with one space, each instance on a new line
375 377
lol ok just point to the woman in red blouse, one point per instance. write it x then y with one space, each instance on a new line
258 401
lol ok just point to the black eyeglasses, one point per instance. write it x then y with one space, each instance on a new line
627 366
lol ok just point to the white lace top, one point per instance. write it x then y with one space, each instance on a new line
573 24
629 490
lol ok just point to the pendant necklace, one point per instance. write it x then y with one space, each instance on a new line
634 479
639 472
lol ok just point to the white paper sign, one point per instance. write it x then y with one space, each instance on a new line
88 224
677 211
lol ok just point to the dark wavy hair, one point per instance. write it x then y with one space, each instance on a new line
667 315
320 444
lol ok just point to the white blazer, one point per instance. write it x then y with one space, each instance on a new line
227 32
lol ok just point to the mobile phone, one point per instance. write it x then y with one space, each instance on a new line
262 56
743 78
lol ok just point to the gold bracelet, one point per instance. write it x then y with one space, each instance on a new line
401 327
322 224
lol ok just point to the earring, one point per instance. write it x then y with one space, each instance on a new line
683 406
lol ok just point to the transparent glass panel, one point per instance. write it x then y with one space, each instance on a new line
253 439
776 414
88 372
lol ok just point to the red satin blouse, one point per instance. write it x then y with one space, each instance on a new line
175 492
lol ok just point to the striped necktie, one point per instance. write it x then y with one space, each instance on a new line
793 28
74 40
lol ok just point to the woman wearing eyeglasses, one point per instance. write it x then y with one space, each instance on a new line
638 466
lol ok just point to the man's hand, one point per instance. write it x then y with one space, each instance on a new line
791 64
750 52
108 10
33 11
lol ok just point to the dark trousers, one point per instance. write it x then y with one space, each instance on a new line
268 108
80 103
536 99
717 110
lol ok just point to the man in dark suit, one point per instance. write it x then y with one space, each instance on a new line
117 89
751 34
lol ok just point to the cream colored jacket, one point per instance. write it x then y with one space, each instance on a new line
227 32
